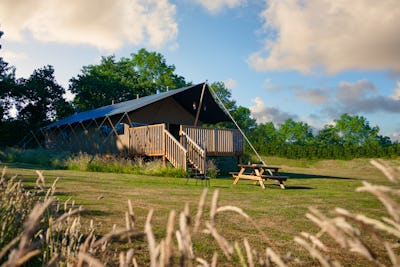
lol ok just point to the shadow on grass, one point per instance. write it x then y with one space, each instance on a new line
91 212
312 176
297 187
299 176
38 193
29 166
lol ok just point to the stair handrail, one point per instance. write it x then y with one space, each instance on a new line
201 163
170 156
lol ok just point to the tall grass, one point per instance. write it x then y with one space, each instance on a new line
52 233
42 157
85 162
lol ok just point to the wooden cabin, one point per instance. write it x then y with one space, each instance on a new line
166 125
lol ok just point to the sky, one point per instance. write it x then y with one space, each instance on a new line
309 60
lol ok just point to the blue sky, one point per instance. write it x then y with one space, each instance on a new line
310 60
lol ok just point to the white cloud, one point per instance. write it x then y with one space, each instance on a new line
396 93
230 83
214 6
394 136
310 35
264 114
105 24
314 96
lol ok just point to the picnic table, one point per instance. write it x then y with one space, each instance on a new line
258 173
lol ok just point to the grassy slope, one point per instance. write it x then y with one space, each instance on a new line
279 213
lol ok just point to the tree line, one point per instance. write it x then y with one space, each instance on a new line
27 104
350 136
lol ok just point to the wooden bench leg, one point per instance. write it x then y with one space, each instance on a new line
236 180
262 183
281 184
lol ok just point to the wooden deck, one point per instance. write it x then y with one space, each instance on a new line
194 146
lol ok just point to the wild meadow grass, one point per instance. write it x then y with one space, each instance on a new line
86 162
42 157
167 222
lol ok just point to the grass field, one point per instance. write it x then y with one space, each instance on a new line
278 213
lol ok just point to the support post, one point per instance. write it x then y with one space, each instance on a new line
76 137
36 139
200 104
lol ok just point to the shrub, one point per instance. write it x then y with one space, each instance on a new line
212 169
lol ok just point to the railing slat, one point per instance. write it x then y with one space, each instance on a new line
216 141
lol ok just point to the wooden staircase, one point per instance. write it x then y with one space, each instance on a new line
156 140
196 155
191 151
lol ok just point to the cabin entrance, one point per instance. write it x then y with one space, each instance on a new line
174 130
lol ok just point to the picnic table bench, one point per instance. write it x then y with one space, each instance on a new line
259 173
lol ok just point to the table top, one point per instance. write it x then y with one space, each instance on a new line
258 166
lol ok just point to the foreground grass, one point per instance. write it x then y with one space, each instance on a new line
279 213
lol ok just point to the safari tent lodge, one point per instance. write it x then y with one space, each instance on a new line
166 125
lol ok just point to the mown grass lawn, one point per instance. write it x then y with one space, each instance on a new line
279 213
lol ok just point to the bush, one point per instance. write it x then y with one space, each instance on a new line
212 169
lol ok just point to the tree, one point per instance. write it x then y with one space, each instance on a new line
224 94
7 86
243 119
329 135
142 74
355 130
292 132
265 138
154 73
99 84
40 98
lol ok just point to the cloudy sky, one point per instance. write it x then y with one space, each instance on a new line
310 60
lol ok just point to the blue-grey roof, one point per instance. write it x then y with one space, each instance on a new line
115 109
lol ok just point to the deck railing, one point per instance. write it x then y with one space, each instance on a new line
216 141
147 140
196 155
196 144
155 140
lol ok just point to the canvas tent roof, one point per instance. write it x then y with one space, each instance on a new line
185 96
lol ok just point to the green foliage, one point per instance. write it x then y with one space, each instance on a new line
350 137
292 132
121 80
224 94
243 119
98 85
7 85
40 98
154 73
212 169
37 100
